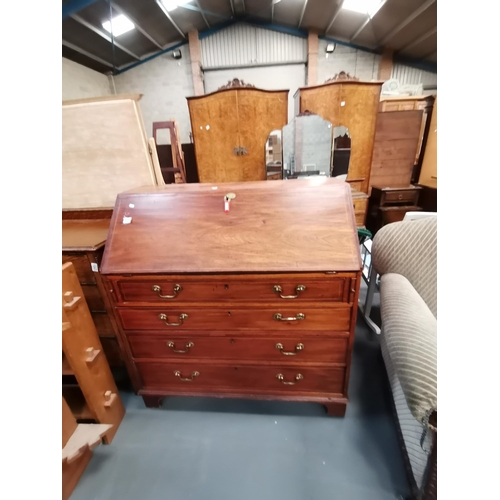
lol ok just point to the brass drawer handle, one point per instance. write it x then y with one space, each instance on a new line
177 373
298 289
281 378
164 317
298 316
172 346
298 348
157 289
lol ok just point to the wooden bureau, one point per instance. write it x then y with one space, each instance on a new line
258 302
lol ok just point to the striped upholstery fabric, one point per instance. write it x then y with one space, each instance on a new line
410 428
409 248
405 254
409 331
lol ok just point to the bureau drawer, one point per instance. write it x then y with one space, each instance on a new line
204 377
410 196
263 289
289 318
272 348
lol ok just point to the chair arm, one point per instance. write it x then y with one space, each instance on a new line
410 331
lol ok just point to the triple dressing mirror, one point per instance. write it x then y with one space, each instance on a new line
308 146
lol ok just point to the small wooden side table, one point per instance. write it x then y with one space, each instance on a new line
390 204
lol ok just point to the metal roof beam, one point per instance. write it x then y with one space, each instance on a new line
365 23
85 53
302 13
165 11
103 35
201 12
122 11
335 15
418 40
407 21
75 6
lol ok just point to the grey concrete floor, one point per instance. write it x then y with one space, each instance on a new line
202 448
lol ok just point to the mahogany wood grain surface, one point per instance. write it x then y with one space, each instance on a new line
230 333
277 226
176 346
241 378
211 317
231 288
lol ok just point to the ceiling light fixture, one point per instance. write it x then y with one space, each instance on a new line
367 7
118 25
171 5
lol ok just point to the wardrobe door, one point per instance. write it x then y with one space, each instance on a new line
214 122
358 112
259 113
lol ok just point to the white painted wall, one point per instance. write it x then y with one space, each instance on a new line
165 83
286 77
79 82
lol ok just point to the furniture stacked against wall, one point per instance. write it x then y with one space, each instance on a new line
428 173
390 205
104 152
230 128
177 172
229 321
347 102
397 139
83 244
88 385
412 103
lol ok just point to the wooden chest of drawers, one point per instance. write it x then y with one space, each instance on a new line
257 302
83 237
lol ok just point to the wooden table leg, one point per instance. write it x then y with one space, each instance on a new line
152 401
335 409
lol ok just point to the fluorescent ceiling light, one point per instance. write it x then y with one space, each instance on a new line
118 25
368 7
171 5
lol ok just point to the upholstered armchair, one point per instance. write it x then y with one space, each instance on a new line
405 255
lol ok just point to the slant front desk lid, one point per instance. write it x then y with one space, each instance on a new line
266 226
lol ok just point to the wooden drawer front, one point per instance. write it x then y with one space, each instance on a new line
93 298
82 268
400 197
244 378
103 324
331 289
249 318
360 204
298 349
395 214
112 351
360 218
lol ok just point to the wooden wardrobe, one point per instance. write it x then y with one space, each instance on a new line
230 128
344 100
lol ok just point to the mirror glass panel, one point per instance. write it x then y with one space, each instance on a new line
341 152
274 155
307 147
